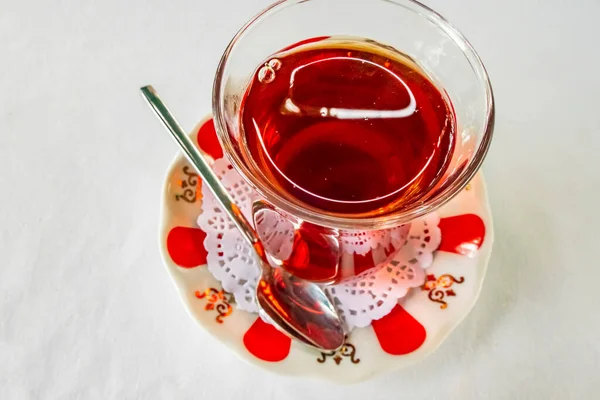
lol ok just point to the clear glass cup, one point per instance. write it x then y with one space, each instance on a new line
439 49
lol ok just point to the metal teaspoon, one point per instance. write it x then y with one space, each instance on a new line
299 308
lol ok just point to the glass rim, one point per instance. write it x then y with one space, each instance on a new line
384 221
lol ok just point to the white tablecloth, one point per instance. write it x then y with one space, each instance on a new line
87 309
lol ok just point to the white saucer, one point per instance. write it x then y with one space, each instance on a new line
415 328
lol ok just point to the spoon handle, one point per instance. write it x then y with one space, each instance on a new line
198 161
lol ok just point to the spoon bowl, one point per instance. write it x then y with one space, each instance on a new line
301 306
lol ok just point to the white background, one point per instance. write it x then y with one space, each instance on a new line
88 311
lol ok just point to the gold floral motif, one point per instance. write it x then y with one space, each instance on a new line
218 300
191 190
347 350
439 288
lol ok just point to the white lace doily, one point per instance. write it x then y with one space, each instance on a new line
360 299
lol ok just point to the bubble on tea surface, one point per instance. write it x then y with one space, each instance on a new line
266 74
275 64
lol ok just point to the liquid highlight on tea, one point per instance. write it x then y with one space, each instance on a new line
347 126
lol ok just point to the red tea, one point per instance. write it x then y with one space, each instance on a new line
347 126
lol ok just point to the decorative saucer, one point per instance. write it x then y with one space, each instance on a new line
417 325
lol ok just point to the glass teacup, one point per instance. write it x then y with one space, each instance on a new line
308 241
